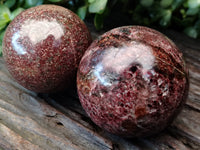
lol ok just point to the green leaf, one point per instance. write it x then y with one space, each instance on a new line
4 11
91 1
2 25
1 36
10 3
2 22
146 3
193 3
165 3
54 1
177 3
166 18
98 21
191 32
16 12
192 11
4 16
32 3
182 11
1 39
98 6
0 50
81 12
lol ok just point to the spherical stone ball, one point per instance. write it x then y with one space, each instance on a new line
42 47
132 81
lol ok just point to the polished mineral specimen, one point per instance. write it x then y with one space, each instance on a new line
132 81
43 46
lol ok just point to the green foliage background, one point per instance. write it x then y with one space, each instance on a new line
181 15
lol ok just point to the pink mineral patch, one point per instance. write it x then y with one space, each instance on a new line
132 81
42 47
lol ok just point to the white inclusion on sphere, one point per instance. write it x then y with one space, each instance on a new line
17 46
120 58
38 30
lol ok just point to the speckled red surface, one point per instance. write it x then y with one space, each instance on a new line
132 81
43 47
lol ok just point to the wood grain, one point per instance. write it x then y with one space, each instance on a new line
57 121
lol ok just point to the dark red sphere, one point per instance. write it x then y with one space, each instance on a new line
43 46
132 81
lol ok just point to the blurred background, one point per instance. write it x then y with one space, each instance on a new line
180 15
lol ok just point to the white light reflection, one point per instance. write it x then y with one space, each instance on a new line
17 46
98 73
120 58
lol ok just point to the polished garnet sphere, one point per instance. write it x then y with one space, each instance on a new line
43 46
132 81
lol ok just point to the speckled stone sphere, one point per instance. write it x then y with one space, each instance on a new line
43 46
132 81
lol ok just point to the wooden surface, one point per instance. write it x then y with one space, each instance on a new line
57 121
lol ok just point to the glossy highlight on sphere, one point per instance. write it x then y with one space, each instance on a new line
43 46
132 81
